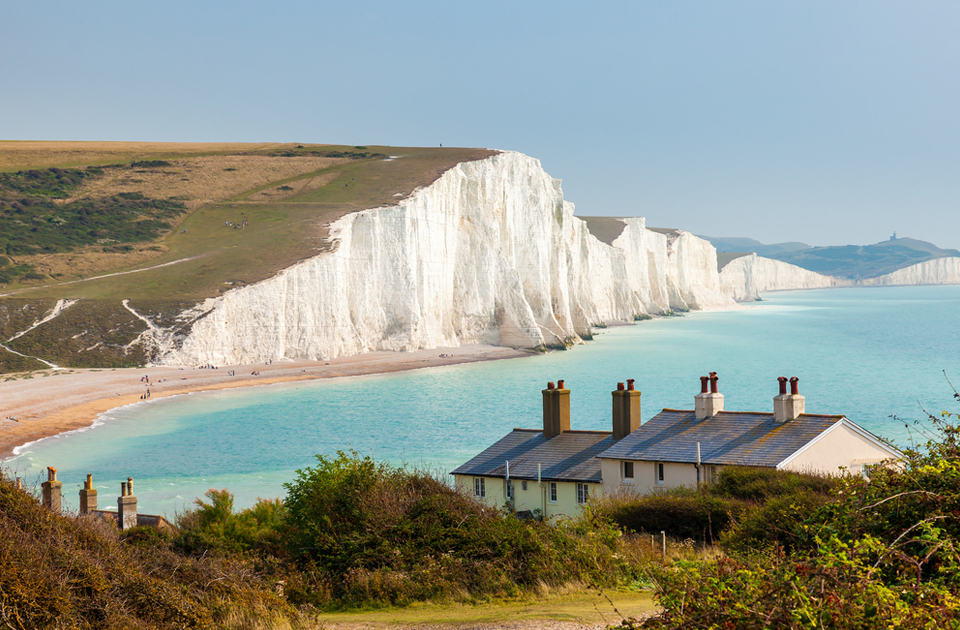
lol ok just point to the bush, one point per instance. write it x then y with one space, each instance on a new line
680 513
381 534
877 553
355 532
215 527
80 572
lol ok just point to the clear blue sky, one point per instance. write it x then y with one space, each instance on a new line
825 122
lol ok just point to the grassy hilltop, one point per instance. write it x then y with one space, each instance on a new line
166 225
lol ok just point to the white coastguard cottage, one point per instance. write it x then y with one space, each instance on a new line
555 471
689 447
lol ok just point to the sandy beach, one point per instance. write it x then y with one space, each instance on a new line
46 403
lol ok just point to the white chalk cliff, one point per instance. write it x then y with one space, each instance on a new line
936 271
746 277
489 253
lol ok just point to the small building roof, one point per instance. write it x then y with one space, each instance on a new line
727 438
570 456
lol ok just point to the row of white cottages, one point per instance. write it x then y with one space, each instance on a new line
556 470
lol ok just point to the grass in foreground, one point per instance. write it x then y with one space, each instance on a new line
579 606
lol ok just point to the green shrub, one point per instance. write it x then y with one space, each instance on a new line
883 552
79 572
215 527
680 513
758 484
374 533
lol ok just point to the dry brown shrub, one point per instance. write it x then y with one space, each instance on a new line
26 154
201 180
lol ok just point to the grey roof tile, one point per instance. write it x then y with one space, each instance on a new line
729 437
570 456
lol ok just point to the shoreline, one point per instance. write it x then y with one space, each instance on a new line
51 402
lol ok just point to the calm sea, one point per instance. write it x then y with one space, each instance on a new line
868 353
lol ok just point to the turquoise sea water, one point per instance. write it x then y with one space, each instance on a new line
865 353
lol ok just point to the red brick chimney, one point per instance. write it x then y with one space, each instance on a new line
556 410
626 410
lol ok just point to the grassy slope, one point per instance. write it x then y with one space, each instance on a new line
280 233
589 607
209 258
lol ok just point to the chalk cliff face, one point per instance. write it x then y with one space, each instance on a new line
745 278
489 253
936 271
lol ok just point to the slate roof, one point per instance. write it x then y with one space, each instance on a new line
570 456
728 438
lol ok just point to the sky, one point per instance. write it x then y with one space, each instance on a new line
826 122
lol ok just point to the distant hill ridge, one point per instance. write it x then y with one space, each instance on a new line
844 261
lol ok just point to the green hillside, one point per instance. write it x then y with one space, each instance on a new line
738 245
170 226
847 261
865 261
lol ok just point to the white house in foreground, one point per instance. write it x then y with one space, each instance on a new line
556 470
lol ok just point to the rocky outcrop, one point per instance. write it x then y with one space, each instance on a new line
936 271
489 253
746 277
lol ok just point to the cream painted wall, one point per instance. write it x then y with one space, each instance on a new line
837 448
533 498
645 477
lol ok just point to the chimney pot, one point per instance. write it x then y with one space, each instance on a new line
51 491
88 496
626 410
783 384
708 404
127 505
795 386
560 384
556 410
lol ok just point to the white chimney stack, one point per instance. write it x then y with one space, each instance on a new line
786 406
708 403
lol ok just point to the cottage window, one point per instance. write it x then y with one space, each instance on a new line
553 492
479 488
627 472
523 485
583 493
659 473
509 490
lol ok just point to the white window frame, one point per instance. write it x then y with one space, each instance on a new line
479 487
658 473
553 492
624 478
583 493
